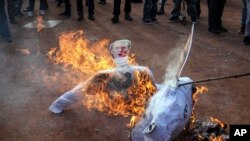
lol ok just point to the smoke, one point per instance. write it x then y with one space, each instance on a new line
172 69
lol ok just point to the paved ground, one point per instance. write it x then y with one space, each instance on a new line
27 88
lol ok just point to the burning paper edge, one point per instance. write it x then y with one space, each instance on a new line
47 24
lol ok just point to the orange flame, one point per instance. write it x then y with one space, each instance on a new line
130 103
40 24
199 90
219 138
217 121
75 51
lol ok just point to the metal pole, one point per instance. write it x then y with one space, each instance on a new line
216 78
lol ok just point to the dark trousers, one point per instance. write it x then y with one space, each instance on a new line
4 28
215 11
91 7
198 8
117 6
191 8
11 9
149 9
79 4
43 5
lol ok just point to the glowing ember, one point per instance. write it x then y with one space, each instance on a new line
131 102
221 124
40 24
213 138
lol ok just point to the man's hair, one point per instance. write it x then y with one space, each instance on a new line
123 41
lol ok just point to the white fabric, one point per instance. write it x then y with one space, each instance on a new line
166 115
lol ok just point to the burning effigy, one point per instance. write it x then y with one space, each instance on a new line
116 85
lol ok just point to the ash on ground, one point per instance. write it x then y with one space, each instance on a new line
208 129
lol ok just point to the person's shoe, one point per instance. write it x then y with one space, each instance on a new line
91 17
128 17
19 13
26 10
30 14
154 20
66 14
242 29
161 11
102 2
42 12
194 19
115 19
214 31
173 19
246 40
59 3
80 18
148 21
8 39
222 29
13 21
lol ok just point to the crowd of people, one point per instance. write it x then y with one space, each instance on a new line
150 12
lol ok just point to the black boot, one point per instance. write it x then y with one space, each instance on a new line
242 29
115 19
91 17
128 17
246 40
66 14
80 18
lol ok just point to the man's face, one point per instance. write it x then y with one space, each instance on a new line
119 50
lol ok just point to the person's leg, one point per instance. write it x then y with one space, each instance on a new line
221 5
212 16
67 11
243 18
91 8
191 10
246 40
116 11
4 28
18 8
43 6
161 10
147 12
79 5
11 11
198 8
175 13
154 11
127 10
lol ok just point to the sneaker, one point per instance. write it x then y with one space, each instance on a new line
214 31
173 19
161 11
194 19
128 17
115 19
148 21
102 2
42 12
222 29
242 29
246 40
30 13
154 20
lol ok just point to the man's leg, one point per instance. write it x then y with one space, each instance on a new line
175 13
116 11
212 16
127 10
91 8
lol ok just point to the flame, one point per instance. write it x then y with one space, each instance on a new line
199 90
217 121
214 138
76 51
40 24
130 103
